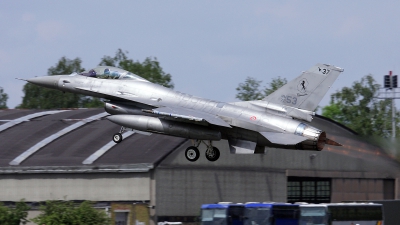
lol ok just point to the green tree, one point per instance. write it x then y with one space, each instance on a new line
37 97
149 69
357 108
250 89
274 85
3 99
14 215
67 213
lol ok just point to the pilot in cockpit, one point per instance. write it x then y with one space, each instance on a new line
91 73
106 73
102 72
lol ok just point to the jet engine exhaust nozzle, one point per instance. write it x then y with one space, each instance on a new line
316 139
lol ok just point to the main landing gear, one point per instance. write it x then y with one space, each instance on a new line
117 138
192 153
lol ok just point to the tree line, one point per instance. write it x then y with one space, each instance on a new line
54 212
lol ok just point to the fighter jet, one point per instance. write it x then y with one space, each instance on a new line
280 120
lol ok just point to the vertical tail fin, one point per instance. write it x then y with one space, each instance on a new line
307 90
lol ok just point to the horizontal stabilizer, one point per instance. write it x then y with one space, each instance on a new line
332 142
282 138
238 146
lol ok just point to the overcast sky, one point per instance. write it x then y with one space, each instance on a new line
208 47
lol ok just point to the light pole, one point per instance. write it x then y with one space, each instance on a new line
390 82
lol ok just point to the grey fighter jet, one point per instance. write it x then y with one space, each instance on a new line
278 121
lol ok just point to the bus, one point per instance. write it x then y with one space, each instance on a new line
285 214
222 214
341 214
258 213
271 214
250 214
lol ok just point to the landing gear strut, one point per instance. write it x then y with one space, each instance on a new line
192 153
117 138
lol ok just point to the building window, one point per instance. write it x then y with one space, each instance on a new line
309 189
121 218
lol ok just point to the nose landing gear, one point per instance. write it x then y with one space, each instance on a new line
192 153
117 137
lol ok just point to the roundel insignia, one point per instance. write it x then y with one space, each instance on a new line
302 86
253 118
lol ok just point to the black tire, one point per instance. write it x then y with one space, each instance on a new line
213 155
192 154
117 138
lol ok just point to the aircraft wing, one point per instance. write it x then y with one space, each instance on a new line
188 115
171 112
283 138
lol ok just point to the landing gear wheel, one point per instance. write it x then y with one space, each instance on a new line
192 154
117 138
212 154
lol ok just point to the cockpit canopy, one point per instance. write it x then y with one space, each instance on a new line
109 72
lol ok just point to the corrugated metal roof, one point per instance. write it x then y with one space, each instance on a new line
53 137
61 142
11 123
99 153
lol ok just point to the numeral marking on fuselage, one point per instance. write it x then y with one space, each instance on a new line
323 70
288 99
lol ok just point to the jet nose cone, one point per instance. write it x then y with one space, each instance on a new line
46 81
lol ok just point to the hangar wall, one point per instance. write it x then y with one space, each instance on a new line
345 189
89 186
182 191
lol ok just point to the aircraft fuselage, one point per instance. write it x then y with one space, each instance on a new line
245 122
279 120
